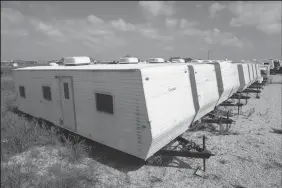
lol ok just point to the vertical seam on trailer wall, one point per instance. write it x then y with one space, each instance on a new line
241 75
73 103
194 90
61 102
218 81
138 128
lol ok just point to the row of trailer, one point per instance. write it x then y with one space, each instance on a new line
135 108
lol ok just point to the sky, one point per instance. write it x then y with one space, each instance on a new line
108 30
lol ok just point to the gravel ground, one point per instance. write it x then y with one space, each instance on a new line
250 158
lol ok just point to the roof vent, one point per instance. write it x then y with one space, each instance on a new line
75 61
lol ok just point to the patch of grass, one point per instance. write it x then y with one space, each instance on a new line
264 113
245 159
222 161
19 134
249 113
217 129
238 186
154 180
14 177
76 149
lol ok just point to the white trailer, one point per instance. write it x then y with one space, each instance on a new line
227 79
265 70
134 108
244 76
259 77
204 88
250 68
255 71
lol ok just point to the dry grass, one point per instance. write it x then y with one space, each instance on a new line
21 137
247 155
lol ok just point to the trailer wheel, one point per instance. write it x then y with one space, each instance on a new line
155 160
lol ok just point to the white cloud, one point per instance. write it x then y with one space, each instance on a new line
17 3
94 19
12 16
12 23
47 29
187 24
157 8
168 48
215 8
120 24
199 5
265 16
91 31
44 8
15 32
152 33
171 22
215 36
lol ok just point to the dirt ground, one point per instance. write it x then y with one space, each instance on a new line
250 156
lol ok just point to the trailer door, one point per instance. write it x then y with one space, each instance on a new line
67 103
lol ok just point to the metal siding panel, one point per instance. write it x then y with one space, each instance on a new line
168 109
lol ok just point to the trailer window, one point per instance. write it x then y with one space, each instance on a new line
104 103
46 93
22 91
66 91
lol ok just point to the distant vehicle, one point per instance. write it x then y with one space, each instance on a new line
128 60
277 64
53 64
270 63
202 61
188 59
196 61
143 62
178 61
156 60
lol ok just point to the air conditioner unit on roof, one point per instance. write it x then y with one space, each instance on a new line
80 60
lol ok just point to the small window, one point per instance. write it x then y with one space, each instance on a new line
66 91
104 103
22 91
46 93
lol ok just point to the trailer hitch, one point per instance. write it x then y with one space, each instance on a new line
238 104
228 103
189 149
257 91
241 96
255 86
214 118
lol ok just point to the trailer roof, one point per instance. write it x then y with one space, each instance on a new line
99 67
